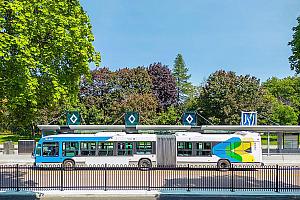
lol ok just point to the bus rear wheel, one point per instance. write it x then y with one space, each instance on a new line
224 164
68 164
145 163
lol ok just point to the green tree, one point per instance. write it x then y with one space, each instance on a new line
225 95
110 94
286 90
45 48
3 116
295 47
127 81
284 115
180 72
145 104
286 93
191 102
168 117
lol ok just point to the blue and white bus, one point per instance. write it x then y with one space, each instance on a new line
146 150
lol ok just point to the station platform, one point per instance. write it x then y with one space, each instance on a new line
281 159
147 195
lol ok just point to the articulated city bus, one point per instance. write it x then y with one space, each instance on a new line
149 149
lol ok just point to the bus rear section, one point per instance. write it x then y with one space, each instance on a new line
222 149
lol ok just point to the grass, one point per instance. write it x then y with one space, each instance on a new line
273 139
4 137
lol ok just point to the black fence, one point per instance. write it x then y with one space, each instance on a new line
267 178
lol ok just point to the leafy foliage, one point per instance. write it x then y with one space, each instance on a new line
286 90
295 46
191 103
145 104
286 93
284 115
168 117
45 48
127 81
110 94
164 85
225 95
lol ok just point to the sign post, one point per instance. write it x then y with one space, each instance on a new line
132 119
249 118
189 118
73 118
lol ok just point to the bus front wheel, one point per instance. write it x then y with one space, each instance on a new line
68 164
145 163
224 164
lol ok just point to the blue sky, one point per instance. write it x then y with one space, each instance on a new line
245 36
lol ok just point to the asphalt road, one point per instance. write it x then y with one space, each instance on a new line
137 197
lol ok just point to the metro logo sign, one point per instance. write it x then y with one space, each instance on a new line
131 119
249 118
189 118
73 118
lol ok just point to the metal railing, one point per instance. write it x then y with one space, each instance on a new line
267 178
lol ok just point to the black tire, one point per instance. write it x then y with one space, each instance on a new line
224 164
68 164
145 163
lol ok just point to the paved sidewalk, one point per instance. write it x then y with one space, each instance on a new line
24 159
149 195
292 159
100 194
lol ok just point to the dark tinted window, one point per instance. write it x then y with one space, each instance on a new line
184 149
203 148
105 148
143 147
124 148
88 148
50 149
70 149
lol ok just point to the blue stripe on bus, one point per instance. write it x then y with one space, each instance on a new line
60 158
81 139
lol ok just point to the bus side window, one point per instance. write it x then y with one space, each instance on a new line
203 148
143 147
50 149
88 148
124 148
184 149
70 149
105 149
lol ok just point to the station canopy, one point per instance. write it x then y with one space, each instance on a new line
173 128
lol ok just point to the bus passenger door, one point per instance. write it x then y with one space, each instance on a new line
166 150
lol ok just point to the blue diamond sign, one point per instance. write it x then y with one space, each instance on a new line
131 119
189 118
73 118
249 119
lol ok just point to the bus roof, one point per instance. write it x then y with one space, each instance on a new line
103 136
